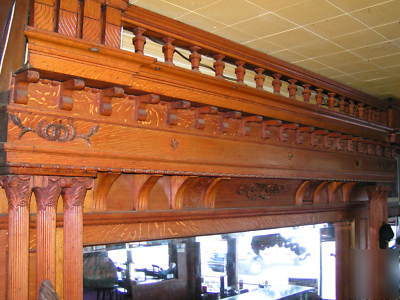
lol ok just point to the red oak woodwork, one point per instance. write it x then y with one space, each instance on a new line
47 191
177 152
73 193
18 193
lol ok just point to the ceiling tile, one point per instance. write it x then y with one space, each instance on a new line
382 49
264 25
191 4
387 61
339 58
356 67
234 35
380 14
288 55
275 5
318 48
329 72
314 10
201 22
358 39
346 79
293 38
371 75
263 45
310 64
336 26
349 5
233 11
161 7
390 31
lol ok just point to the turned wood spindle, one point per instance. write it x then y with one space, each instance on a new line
360 108
139 40
331 100
73 193
195 58
168 50
240 71
342 104
292 88
18 193
319 97
351 108
277 83
383 117
46 193
259 78
219 65
306 92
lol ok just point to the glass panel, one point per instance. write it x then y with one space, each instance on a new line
267 263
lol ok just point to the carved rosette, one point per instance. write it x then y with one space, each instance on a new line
18 190
74 190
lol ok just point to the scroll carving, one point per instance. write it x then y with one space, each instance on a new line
57 130
259 191
18 190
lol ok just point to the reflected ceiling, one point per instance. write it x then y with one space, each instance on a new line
356 42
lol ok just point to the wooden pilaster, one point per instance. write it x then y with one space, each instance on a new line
18 192
343 244
47 192
73 194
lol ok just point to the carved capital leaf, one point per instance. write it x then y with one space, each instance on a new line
18 190
74 190
48 192
380 191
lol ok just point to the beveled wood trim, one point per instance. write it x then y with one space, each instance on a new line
188 36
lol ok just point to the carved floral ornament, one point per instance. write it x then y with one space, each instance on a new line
56 130
259 191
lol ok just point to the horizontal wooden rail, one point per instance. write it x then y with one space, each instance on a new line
327 93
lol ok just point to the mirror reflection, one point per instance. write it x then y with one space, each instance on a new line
283 263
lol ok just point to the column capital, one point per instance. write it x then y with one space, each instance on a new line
18 189
47 189
380 191
74 190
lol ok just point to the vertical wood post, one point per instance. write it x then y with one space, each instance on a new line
47 191
377 217
73 193
18 192
343 244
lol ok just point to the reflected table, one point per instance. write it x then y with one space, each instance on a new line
275 293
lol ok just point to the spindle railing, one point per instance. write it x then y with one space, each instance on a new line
101 23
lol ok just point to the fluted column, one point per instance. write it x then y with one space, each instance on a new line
73 193
18 192
46 190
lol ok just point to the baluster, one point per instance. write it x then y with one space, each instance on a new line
259 78
240 71
342 104
360 107
139 40
168 50
371 114
276 83
331 100
219 65
319 97
306 92
351 108
366 111
195 58
383 117
292 88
